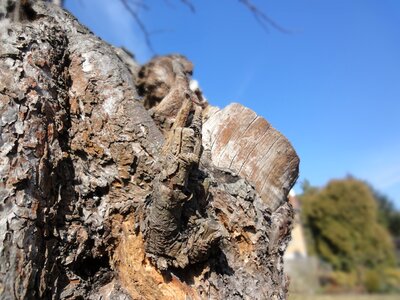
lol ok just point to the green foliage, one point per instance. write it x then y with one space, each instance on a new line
392 280
372 281
346 281
342 221
388 215
382 280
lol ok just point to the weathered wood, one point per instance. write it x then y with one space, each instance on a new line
121 183
165 237
247 144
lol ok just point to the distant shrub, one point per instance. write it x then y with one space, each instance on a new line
373 281
348 281
392 280
382 280
338 282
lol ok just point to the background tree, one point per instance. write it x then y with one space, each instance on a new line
388 215
342 219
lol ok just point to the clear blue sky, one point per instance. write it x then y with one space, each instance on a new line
332 86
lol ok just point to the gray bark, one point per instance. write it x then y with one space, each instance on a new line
119 182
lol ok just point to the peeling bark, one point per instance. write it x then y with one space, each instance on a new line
117 181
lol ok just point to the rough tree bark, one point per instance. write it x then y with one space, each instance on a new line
119 182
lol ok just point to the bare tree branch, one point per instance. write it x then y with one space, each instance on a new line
141 25
140 4
189 4
262 18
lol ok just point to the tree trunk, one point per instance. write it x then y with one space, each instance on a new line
120 182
